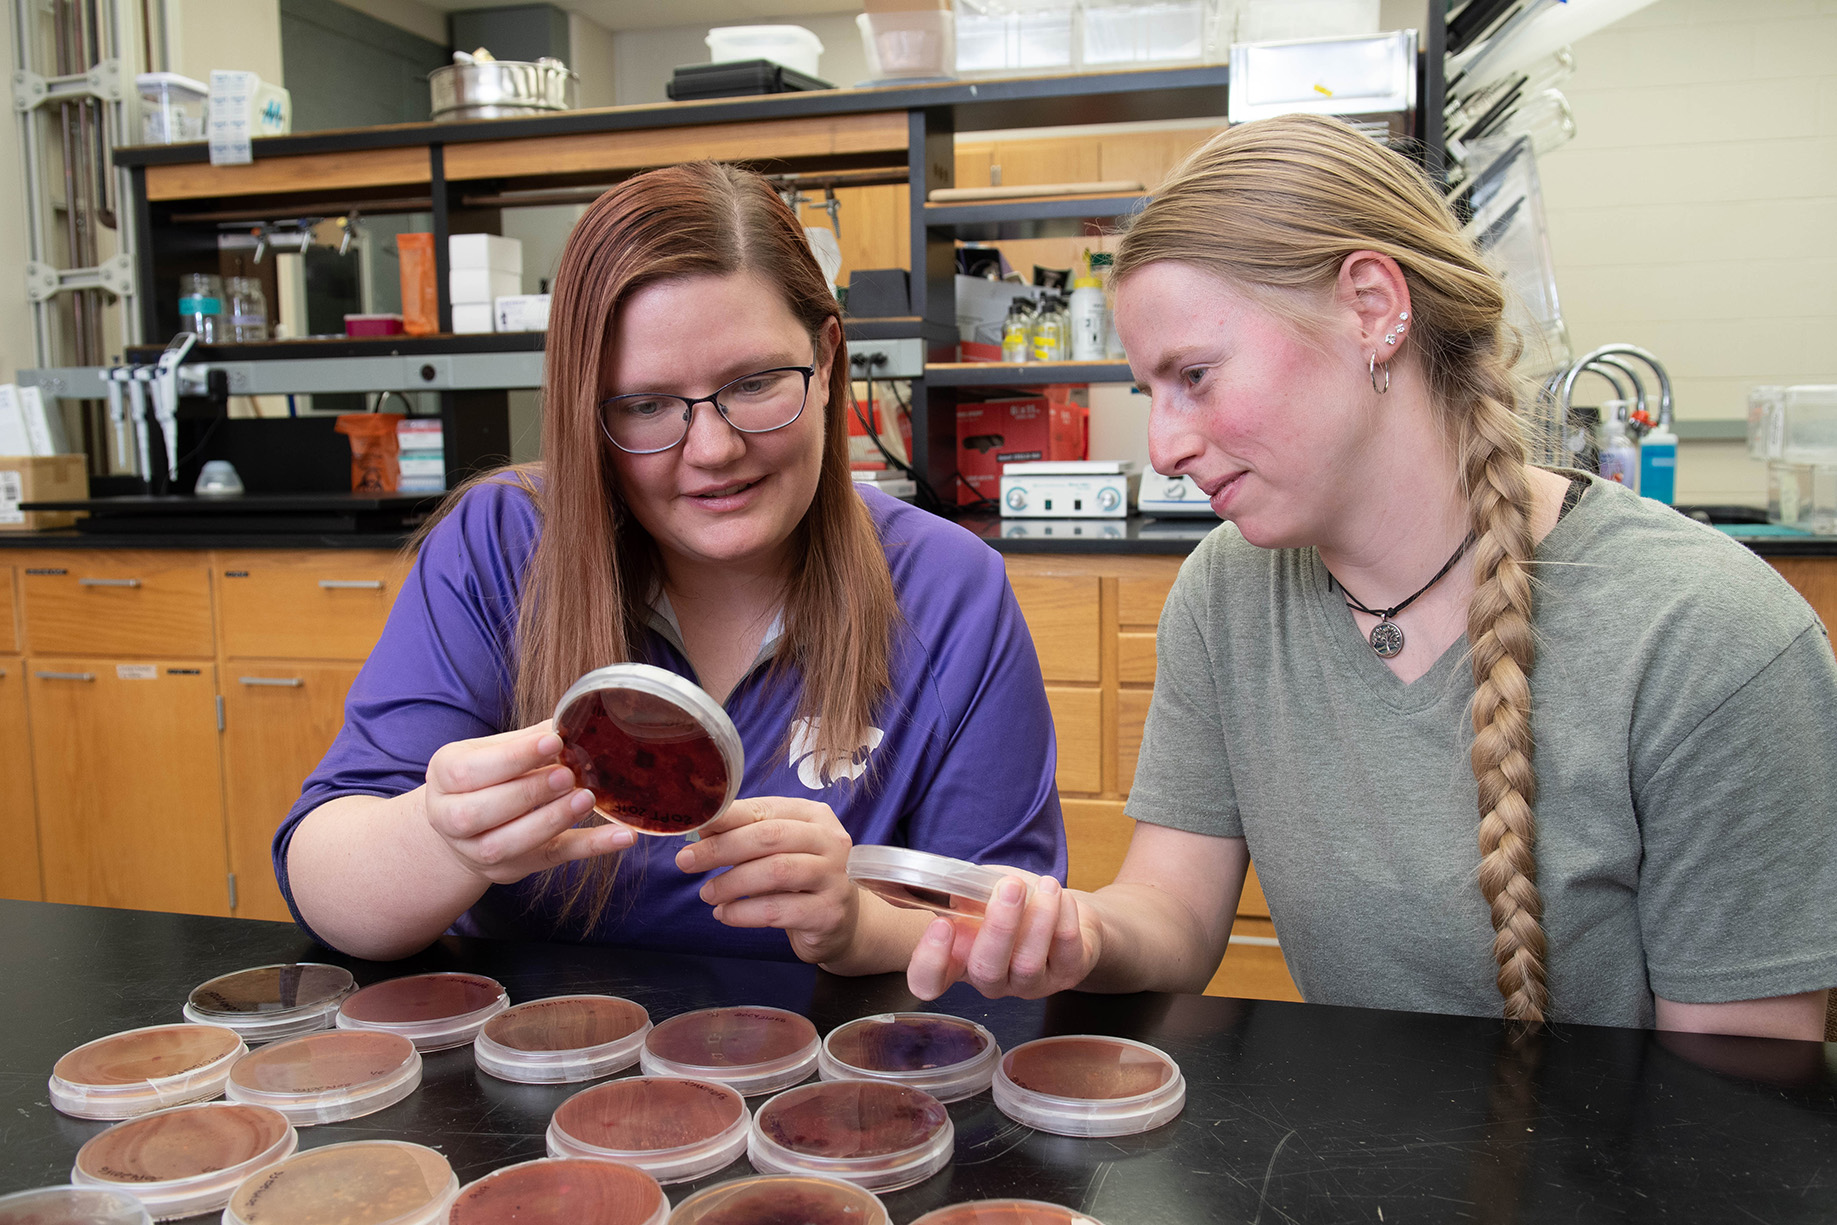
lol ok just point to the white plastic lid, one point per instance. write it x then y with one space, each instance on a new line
141 1070
372 1182
434 1011
186 1160
783 1197
72 1206
562 1039
764 34
868 1132
754 1049
919 880
274 1001
589 1192
658 753
147 82
948 1057
326 1077
1089 1085
675 1128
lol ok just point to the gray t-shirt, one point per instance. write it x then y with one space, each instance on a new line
1684 703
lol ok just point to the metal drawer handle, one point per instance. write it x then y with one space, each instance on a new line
109 582
279 682
351 584
65 676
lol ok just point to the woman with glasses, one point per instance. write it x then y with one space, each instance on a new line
693 510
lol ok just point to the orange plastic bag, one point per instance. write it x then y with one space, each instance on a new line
374 466
420 290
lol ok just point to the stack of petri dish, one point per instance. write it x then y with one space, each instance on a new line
186 1160
754 1049
674 1128
271 1002
579 1190
1005 1212
434 1011
365 1182
876 1135
142 1070
948 1057
919 880
325 1078
72 1206
562 1039
770 1199
1089 1085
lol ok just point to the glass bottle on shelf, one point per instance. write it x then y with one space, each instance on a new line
201 306
248 310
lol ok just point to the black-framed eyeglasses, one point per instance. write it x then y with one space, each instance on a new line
646 422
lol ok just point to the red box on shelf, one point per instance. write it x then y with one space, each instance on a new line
1010 427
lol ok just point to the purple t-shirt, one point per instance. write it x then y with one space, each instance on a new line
962 764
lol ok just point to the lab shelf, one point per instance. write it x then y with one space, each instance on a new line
1040 217
1024 374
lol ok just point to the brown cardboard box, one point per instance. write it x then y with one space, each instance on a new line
40 478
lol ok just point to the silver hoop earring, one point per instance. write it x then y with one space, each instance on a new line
1373 367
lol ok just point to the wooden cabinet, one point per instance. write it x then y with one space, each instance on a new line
1815 578
126 602
309 604
9 617
19 876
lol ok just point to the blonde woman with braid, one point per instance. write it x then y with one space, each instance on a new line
1500 739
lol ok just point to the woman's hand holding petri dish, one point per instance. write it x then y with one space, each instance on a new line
505 806
1035 938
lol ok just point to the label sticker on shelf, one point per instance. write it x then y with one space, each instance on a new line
12 491
136 672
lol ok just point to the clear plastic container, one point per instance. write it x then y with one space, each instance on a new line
271 1002
72 1206
876 1135
366 1182
916 44
246 313
793 46
1005 1212
328 1077
948 1057
674 1128
919 880
1119 33
186 1160
769 1199
658 753
1089 1085
1014 36
754 1049
562 1039
579 1190
201 306
434 1011
172 108
142 1070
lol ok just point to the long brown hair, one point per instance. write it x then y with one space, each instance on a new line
1275 207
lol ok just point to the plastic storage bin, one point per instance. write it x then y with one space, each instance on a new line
793 46
918 43
1162 32
171 107
1010 36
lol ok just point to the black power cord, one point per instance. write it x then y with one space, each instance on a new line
928 498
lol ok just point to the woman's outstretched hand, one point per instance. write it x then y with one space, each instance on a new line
1036 938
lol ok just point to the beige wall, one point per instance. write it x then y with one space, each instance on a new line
595 60
233 34
646 58
411 15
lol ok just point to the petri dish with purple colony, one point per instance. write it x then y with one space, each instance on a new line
569 1191
142 1070
186 1160
434 1011
674 1128
948 1057
655 750
1005 1212
271 1002
782 1199
874 1134
562 1039
1089 1085
919 880
328 1077
753 1048
72 1206
365 1182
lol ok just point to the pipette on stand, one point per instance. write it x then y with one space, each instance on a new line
121 433
137 379
166 399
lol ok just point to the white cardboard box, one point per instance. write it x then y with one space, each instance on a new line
523 313
472 317
482 284
485 251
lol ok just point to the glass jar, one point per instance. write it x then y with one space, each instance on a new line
201 306
247 312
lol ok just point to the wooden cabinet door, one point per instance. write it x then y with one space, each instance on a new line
1815 578
117 602
1063 617
306 604
18 819
9 617
130 802
278 721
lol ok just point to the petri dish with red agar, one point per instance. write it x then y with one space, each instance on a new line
674 1128
868 1132
919 880
775 1199
1089 1085
72 1206
569 1191
562 1039
328 1077
188 1159
142 1070
1005 1212
365 1182
655 750
270 1002
948 1057
754 1049
434 1011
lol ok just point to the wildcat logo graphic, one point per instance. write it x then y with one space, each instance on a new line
817 772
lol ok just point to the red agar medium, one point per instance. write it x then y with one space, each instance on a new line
566 1023
1087 1068
287 988
841 1119
422 997
181 1143
731 1037
1005 1212
649 762
781 1199
565 1191
366 1182
649 1113
140 1055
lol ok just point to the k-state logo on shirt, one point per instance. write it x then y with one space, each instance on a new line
819 771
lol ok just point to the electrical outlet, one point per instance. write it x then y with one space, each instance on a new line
887 359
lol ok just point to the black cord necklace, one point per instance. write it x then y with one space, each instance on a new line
1386 635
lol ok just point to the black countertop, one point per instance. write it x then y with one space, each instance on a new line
1295 1112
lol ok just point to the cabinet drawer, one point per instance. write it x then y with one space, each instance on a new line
1131 717
1139 597
9 616
18 819
117 602
1077 719
1062 615
1135 657
1096 837
322 604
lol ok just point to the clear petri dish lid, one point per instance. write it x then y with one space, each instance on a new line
868 1132
948 1057
142 1070
564 1191
1005 1212
275 1001
770 1199
434 1011
1089 1085
655 750
328 1077
919 880
753 1048
366 1182
562 1039
72 1206
674 1128
188 1159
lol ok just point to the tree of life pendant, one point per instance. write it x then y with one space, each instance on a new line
1386 639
